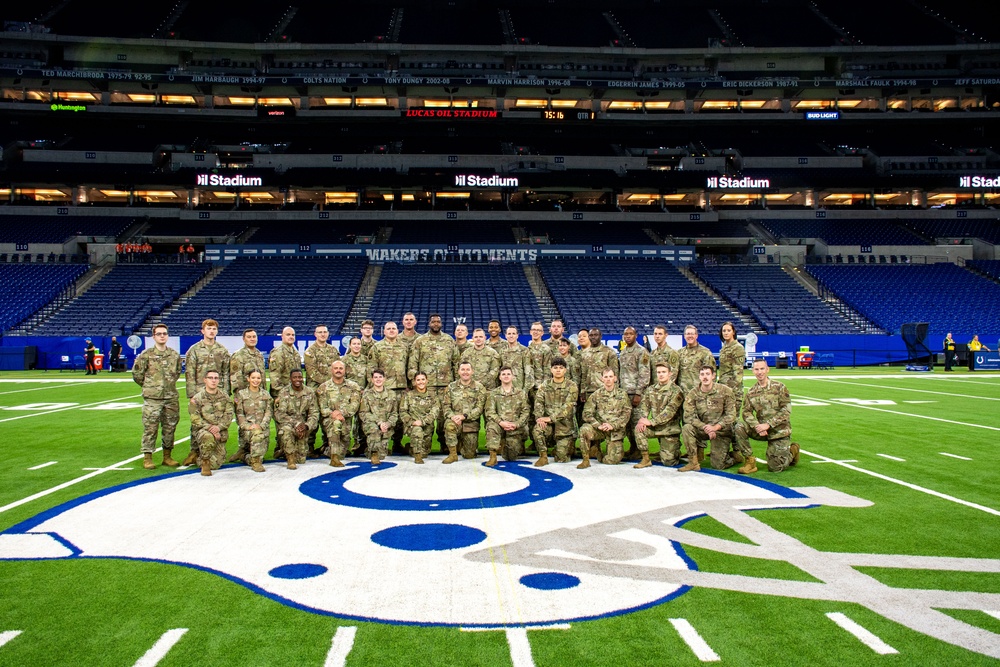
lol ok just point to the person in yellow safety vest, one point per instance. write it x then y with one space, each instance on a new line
975 346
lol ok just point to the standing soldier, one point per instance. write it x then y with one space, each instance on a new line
390 354
495 341
766 416
709 415
244 360
661 408
418 411
555 412
156 370
663 352
283 360
296 414
211 414
583 339
462 341
463 407
634 362
506 419
556 329
206 355
732 359
593 361
436 356
605 416
691 359
358 368
485 360
367 342
338 399
379 412
572 361
318 358
541 358
516 357
254 410
408 336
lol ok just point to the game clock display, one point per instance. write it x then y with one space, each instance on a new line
568 116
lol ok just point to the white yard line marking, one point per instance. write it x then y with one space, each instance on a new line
922 391
83 478
910 414
520 647
892 458
160 649
955 456
938 494
863 635
21 391
43 465
994 614
919 402
694 641
832 461
340 647
74 407
126 469
11 634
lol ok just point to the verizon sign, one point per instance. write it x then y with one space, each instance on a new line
726 183
234 181
978 182
494 181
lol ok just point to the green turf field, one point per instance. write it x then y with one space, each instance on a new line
916 449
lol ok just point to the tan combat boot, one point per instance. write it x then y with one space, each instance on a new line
694 460
190 459
167 459
795 452
493 460
586 458
452 454
206 468
645 463
418 458
256 465
335 461
543 459
147 461
749 467
595 452
375 460
290 461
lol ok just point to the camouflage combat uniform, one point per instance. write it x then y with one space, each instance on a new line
519 360
345 397
243 361
468 400
292 408
376 407
768 403
702 408
424 407
497 345
605 406
209 410
732 360
668 355
318 359
368 347
254 408
283 360
689 361
663 405
633 379
391 357
512 407
558 401
593 361
541 359
436 356
485 365
157 373
199 360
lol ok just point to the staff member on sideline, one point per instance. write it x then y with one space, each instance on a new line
975 346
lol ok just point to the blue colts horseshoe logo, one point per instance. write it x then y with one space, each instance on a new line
330 488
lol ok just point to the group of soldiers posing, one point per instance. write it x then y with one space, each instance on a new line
409 383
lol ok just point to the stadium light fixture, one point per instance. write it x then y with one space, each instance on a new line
243 101
224 195
258 195
453 195
337 101
74 97
564 104
813 104
530 103
659 104
177 99
275 101
719 105
341 197
848 104
752 104
372 102
157 194
389 196
437 104
114 193
779 197
143 98
624 105
39 96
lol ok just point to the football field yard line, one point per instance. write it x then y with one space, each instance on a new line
75 407
863 635
160 649
43 465
908 485
891 458
77 480
21 391
922 391
11 634
993 613
955 456
520 647
906 414
694 641
985 382
340 646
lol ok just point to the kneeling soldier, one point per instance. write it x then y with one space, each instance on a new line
506 418
211 414
766 416
605 415
660 408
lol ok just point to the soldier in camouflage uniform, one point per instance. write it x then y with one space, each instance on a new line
634 378
555 414
516 357
204 356
593 361
339 400
211 414
296 413
495 341
506 419
663 353
367 342
283 360
485 360
436 356
318 358
732 359
661 409
690 359
709 415
408 336
418 411
156 370
254 410
766 416
572 361
358 369
390 354
541 358
462 341
379 411
244 360
605 416
463 408
556 330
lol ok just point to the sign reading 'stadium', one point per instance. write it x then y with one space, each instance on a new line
234 181
494 181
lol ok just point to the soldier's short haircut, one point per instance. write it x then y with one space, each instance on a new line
608 369
584 330
409 314
294 371
379 371
506 368
724 326
465 363
368 323
760 361
418 374
511 326
663 364
558 361
246 331
209 323
707 367
492 321
477 330
433 315
559 320
161 326
213 371
690 326
534 324
662 327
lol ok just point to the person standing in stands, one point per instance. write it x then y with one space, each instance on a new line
204 356
90 352
975 346
156 370
116 353
949 352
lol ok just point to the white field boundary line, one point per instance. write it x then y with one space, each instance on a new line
159 650
985 383
891 458
987 376
64 385
77 480
862 634
70 380
340 646
74 407
993 613
695 642
43 465
922 391
955 456
897 412
915 487
11 634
